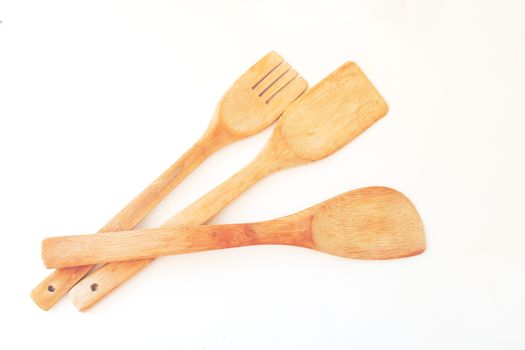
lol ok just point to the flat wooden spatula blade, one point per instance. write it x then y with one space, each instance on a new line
332 113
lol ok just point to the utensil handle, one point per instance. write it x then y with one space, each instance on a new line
69 251
57 284
101 282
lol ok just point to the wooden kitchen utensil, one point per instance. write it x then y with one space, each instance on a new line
254 102
368 223
324 119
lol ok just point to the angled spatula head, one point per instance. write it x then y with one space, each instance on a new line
368 223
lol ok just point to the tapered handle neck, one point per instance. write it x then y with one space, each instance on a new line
276 155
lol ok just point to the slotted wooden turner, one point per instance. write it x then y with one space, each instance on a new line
253 102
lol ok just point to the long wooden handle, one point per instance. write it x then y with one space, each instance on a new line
62 252
53 287
101 282
69 251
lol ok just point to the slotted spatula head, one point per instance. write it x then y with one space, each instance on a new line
259 96
331 114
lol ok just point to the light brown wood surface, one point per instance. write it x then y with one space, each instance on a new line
321 121
253 103
368 223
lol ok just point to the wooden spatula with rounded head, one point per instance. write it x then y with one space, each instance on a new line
254 102
323 120
368 223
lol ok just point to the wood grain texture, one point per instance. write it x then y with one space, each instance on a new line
145 244
345 108
368 223
332 113
241 113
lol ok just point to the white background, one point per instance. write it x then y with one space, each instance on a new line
97 98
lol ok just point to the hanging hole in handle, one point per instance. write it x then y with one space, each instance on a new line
94 287
50 288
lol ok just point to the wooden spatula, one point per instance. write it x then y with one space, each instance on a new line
323 120
254 102
368 223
